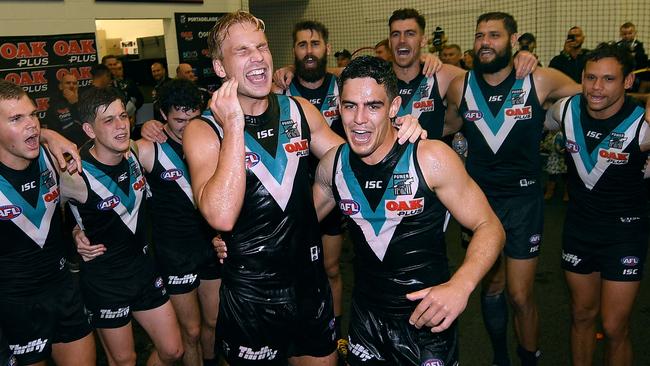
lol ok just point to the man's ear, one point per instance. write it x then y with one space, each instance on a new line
88 129
217 65
394 106
629 80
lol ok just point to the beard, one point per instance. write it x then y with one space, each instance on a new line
501 60
311 75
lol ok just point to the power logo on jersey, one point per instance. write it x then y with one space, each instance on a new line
289 128
616 140
517 96
402 184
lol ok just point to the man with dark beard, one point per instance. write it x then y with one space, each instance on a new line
314 83
502 119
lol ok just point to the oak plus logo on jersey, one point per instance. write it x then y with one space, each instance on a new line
405 207
37 346
473 116
520 114
331 113
349 207
10 212
614 157
171 174
109 203
251 159
51 196
265 353
300 148
140 184
424 105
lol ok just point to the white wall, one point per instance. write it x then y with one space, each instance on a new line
19 18
130 29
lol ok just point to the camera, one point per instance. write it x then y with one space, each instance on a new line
571 37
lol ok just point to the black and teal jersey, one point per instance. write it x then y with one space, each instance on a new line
421 99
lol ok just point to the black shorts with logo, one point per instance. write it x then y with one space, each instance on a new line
522 218
254 333
109 303
616 260
31 325
379 339
178 283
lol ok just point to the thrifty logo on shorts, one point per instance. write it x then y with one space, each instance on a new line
571 258
188 279
265 353
360 351
113 314
37 345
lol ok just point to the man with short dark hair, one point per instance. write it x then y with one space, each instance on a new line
102 76
159 74
605 238
343 58
502 119
395 198
572 59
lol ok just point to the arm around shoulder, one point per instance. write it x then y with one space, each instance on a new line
323 138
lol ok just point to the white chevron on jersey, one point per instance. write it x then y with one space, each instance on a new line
378 226
37 231
182 182
495 140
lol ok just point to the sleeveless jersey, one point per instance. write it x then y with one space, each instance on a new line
32 249
503 126
396 224
179 232
605 167
325 99
421 99
275 243
112 215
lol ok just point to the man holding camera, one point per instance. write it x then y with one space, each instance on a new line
571 60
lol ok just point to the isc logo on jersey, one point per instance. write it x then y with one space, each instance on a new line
251 159
10 212
425 105
405 207
473 115
171 174
300 148
613 157
108 203
349 207
520 113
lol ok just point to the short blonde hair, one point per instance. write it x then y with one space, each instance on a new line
10 91
220 30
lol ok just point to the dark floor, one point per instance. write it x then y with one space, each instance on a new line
551 294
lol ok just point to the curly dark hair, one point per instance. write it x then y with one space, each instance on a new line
180 94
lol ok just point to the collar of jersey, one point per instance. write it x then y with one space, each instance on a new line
494 123
127 199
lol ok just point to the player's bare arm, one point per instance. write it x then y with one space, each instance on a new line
445 174
217 167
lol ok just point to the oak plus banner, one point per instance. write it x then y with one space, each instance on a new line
192 30
37 63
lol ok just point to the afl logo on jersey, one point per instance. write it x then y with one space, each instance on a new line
572 147
349 207
108 203
171 174
251 159
473 115
10 212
